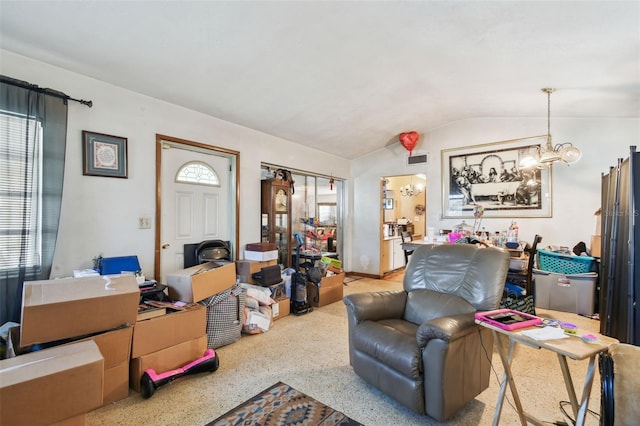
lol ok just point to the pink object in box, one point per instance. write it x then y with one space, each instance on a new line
455 236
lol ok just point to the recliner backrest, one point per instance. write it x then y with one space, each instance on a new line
425 305
473 273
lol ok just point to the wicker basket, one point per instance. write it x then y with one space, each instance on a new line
564 264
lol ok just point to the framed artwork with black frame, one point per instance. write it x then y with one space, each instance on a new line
104 155
490 175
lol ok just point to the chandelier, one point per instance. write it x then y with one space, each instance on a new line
565 152
411 190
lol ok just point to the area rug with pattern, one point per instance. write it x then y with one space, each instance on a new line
282 405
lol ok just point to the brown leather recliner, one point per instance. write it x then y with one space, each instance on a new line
421 345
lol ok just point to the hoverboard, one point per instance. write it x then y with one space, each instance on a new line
151 380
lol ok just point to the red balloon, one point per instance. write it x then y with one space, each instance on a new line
409 140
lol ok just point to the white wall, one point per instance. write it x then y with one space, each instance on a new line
576 188
99 215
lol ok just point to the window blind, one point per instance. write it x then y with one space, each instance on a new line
20 199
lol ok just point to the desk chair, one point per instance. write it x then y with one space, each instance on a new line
209 250
532 259
524 279
406 236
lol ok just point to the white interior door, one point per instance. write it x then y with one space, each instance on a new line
191 212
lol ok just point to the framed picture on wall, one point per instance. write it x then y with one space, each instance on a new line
490 175
104 155
388 203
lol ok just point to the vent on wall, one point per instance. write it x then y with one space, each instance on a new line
416 159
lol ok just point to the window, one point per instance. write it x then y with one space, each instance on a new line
20 191
197 172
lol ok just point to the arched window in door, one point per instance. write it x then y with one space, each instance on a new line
199 173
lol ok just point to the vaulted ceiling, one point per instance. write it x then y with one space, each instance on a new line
346 76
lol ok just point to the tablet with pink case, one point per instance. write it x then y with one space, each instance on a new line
508 319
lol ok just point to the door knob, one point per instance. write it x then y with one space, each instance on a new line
165 246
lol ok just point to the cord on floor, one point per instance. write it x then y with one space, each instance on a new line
564 411
495 373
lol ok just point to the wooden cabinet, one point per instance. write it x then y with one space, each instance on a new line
276 217
386 258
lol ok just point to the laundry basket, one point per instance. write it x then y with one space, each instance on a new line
564 264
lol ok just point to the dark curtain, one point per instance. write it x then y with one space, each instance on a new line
619 270
51 111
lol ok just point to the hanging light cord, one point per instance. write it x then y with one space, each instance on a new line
549 114
549 91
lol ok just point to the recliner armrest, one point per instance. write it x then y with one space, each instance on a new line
376 306
447 328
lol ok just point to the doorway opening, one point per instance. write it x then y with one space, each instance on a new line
403 201
317 206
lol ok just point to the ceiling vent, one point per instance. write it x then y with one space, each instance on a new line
417 159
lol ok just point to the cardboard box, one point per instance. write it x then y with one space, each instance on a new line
116 383
334 269
79 420
201 281
261 255
71 307
246 268
167 359
330 290
261 246
278 291
114 345
281 308
168 330
596 246
51 385
569 293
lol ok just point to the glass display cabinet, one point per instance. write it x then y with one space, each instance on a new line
276 217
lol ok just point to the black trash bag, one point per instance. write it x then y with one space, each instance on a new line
314 275
579 248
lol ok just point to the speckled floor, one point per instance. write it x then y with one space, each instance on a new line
310 353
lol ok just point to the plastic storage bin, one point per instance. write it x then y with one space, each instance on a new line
569 293
564 264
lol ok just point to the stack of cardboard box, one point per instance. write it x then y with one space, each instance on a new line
84 325
261 252
90 347
167 342
245 270
173 340
57 385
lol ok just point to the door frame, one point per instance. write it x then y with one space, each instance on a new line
234 156
382 211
